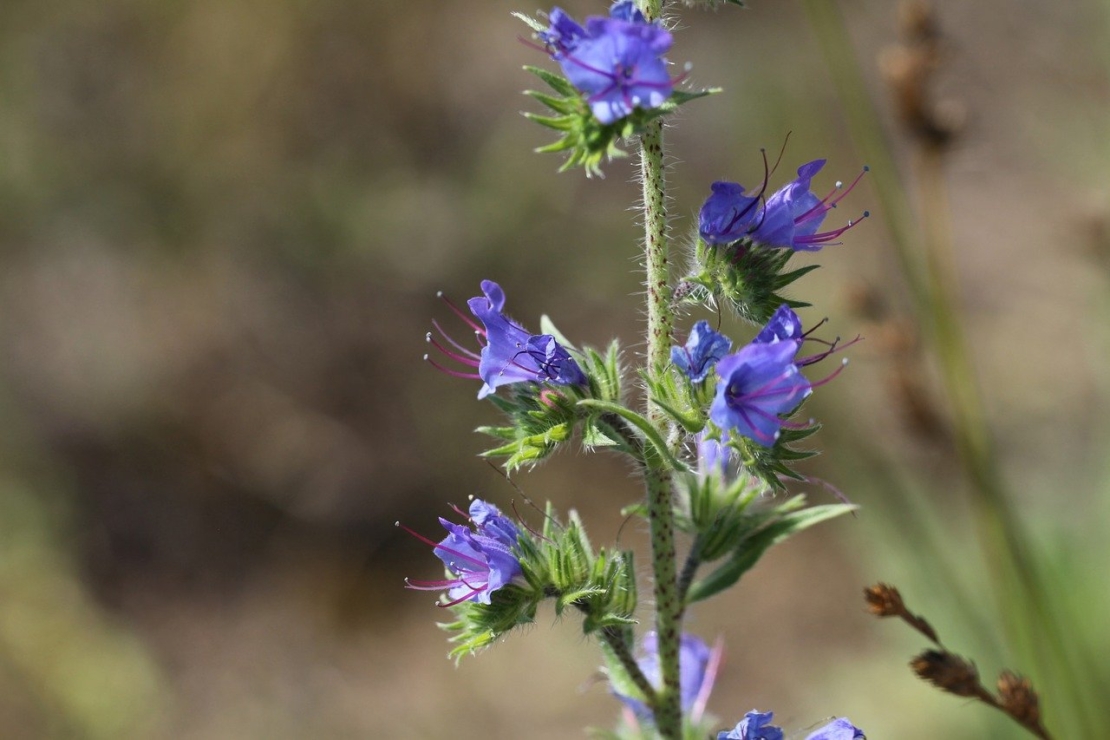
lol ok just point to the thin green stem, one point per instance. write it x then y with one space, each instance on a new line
689 570
617 640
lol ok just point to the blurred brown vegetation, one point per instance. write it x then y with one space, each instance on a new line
222 227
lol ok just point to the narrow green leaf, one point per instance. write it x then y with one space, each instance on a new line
752 549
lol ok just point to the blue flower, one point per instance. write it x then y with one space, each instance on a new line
482 560
697 670
727 215
793 214
616 61
755 387
563 34
704 347
784 325
838 729
713 454
789 219
755 726
509 354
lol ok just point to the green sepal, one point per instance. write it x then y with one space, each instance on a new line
713 508
556 82
771 464
683 401
588 141
530 448
478 625
559 123
742 275
535 25
763 531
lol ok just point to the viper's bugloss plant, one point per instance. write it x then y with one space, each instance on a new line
718 437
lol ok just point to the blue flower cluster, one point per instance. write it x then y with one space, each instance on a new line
757 384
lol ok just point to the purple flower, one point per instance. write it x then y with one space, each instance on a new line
784 325
755 726
509 353
563 34
838 729
713 454
789 219
704 347
727 215
617 61
482 560
755 387
793 214
697 670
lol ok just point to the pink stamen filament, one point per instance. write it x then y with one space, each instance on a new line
452 373
458 312
834 346
464 597
469 358
827 236
438 546
453 343
832 375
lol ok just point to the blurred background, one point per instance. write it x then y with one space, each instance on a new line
223 224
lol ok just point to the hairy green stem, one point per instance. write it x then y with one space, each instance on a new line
657 474
668 605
